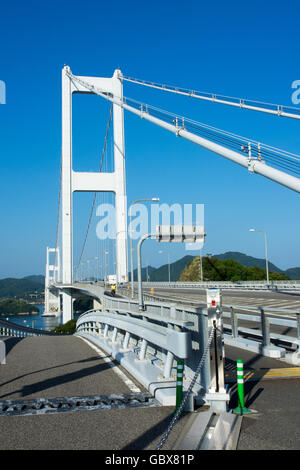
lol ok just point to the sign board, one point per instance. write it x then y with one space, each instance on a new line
180 233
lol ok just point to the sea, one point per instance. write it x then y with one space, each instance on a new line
37 320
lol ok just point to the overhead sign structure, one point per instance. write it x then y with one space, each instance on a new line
180 233
168 233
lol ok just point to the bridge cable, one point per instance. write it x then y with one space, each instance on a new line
190 129
95 194
242 103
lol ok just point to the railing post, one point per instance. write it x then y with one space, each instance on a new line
143 350
265 328
234 323
126 340
105 332
114 335
168 365
298 326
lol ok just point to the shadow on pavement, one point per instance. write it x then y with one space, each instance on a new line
150 435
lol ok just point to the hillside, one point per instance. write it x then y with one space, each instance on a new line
215 269
248 261
162 274
11 287
15 307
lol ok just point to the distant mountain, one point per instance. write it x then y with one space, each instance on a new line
248 261
39 279
162 274
293 273
20 288
215 269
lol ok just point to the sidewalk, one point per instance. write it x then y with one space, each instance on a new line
276 425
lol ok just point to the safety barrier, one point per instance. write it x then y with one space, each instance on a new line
259 336
8 328
262 329
261 285
149 343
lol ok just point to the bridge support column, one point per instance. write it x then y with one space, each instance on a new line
67 302
52 299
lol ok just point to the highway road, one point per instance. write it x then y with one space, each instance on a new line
271 299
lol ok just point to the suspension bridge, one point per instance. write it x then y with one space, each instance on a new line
148 329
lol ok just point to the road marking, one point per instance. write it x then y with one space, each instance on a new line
132 387
287 373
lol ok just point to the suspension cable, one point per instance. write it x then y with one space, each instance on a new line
95 194
247 153
242 103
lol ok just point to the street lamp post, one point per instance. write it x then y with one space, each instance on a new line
105 253
154 199
169 269
266 250
88 263
201 267
96 268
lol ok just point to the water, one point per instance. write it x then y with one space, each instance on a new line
35 321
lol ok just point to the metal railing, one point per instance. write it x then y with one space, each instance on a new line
253 327
291 284
149 343
8 328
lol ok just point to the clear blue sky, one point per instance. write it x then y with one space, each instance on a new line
247 49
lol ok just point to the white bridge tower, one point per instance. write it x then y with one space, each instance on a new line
92 181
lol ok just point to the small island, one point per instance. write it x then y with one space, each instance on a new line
17 307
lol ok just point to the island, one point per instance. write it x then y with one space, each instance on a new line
10 306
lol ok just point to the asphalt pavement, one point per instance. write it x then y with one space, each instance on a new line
66 366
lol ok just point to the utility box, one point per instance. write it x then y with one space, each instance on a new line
213 297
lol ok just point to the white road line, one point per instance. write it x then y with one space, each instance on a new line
132 387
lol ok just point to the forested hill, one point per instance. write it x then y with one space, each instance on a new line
12 287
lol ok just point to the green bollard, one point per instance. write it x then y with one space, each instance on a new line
179 384
241 409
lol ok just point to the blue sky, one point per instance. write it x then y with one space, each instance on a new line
245 49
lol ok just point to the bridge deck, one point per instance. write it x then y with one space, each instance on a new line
47 367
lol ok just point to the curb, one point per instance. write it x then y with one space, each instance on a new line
206 430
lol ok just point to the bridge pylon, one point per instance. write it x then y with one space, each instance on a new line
52 298
92 181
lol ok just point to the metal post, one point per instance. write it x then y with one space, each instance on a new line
154 199
241 409
140 288
179 383
265 328
234 323
267 262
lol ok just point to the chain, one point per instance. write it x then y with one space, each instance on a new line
180 409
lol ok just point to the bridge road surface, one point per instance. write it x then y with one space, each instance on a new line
66 366
284 300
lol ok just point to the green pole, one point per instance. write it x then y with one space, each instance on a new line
179 383
241 409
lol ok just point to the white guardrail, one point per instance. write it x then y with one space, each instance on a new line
149 343
273 285
257 329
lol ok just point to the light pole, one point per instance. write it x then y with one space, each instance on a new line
154 199
96 268
201 268
169 270
88 262
105 253
266 250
